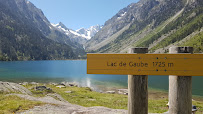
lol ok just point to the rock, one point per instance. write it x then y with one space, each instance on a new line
57 97
91 99
123 91
40 88
53 84
9 87
68 91
68 84
44 89
68 108
111 92
120 92
73 84
34 83
25 83
61 86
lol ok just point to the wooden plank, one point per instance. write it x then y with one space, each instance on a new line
146 64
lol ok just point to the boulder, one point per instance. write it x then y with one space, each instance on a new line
123 91
43 89
34 83
53 83
68 84
73 84
68 91
61 86
40 88
91 99
25 83
9 87
110 92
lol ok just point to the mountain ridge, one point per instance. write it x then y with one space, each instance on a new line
25 35
139 23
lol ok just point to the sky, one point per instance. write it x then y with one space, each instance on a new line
76 14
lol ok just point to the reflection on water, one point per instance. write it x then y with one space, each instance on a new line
88 82
75 71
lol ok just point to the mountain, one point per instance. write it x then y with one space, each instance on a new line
90 32
157 24
81 35
26 34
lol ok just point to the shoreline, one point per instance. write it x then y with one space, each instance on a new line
154 93
48 60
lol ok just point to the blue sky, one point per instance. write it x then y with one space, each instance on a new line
76 14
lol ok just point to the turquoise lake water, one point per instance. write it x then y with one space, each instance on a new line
75 71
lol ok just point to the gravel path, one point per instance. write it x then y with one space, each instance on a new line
64 109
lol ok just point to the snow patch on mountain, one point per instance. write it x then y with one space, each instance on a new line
123 14
75 33
55 25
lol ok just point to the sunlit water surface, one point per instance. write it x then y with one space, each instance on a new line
75 71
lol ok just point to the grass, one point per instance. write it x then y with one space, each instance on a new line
196 42
157 106
37 93
86 97
181 33
199 106
11 104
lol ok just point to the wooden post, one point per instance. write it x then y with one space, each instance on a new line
138 89
180 88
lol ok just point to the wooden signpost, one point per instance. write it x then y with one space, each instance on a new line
180 67
146 64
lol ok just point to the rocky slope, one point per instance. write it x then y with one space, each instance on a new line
149 23
9 87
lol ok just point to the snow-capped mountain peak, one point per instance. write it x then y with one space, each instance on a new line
82 32
60 25
90 32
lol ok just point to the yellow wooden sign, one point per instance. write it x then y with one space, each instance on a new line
146 64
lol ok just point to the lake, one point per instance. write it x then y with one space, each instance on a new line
75 71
